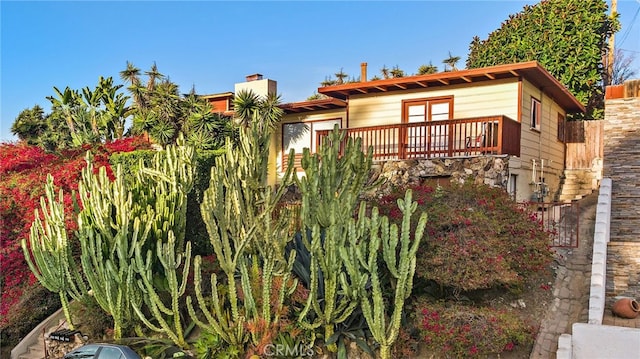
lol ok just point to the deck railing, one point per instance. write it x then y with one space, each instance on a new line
449 138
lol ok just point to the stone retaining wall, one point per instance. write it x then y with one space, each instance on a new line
622 165
490 170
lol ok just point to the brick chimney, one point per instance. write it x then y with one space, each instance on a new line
363 72
253 77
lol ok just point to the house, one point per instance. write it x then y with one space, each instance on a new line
221 103
516 112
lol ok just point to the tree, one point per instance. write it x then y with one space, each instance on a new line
341 76
622 68
427 69
328 81
451 61
30 125
567 37
396 72
132 75
67 102
115 109
203 128
159 110
385 72
316 96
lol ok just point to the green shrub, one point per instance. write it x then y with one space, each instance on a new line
478 237
196 230
461 331
130 160
91 320
35 305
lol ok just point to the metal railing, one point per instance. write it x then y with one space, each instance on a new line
561 220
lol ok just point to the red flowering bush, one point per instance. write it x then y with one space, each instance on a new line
24 169
477 237
459 331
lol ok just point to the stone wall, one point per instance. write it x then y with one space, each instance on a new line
490 170
623 271
622 164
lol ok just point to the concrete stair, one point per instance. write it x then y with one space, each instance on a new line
578 183
37 350
32 345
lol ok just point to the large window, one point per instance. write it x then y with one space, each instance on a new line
436 139
536 113
301 135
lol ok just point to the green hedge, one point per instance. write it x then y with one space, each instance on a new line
196 232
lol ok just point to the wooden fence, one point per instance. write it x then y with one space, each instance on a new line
585 142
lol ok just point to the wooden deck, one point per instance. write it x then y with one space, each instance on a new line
466 137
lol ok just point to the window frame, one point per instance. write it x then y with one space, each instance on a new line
562 128
312 140
536 114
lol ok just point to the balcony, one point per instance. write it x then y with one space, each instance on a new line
467 137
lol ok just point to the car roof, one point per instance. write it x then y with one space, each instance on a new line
125 349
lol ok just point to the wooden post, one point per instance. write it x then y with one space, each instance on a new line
611 50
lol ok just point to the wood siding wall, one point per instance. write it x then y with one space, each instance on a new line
472 100
585 143
540 144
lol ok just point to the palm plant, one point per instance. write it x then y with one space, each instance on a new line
396 72
115 108
451 61
340 76
152 75
427 69
328 81
91 101
67 103
385 72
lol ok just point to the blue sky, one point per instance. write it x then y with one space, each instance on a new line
213 44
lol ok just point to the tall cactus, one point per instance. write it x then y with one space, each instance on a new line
333 182
52 262
117 215
362 264
171 262
330 190
107 232
165 186
238 211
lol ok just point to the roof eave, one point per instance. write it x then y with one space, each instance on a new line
529 70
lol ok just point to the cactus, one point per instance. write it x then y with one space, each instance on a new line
166 255
330 190
52 262
166 184
107 232
238 211
117 217
361 258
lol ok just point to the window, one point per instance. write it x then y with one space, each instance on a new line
562 124
536 114
433 139
301 135
110 353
